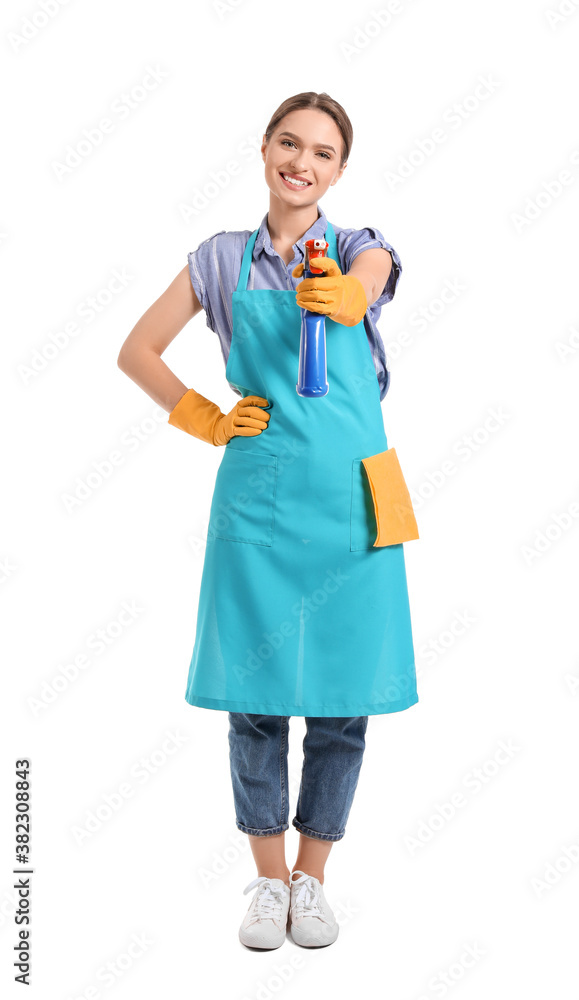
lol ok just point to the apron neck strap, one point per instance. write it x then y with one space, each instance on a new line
332 252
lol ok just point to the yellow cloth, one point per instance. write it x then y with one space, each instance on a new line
197 415
395 518
339 296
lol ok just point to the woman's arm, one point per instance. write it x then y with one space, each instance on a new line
140 354
371 268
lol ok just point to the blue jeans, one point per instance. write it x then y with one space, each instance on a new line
258 755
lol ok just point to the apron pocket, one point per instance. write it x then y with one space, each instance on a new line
243 504
381 512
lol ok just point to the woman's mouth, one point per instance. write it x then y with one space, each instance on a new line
294 185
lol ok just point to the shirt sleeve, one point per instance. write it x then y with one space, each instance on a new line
368 239
202 263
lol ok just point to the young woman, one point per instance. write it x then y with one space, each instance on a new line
303 606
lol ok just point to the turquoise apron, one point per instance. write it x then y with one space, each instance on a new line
299 613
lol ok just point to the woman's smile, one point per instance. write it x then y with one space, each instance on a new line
290 184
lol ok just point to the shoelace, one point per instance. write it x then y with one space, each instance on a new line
307 897
268 902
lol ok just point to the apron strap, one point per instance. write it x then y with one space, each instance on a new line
330 238
332 250
246 262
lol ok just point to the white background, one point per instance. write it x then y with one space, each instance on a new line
498 873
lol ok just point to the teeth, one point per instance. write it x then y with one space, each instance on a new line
292 180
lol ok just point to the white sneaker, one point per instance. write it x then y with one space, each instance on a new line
312 921
265 923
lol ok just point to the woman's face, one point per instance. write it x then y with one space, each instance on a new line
312 150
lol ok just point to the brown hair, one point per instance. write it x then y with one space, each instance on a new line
321 102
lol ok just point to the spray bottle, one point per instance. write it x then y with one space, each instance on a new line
312 377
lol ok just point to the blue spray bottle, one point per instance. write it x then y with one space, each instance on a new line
312 377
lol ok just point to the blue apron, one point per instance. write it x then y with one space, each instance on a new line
299 613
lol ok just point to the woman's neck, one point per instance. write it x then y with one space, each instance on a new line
287 227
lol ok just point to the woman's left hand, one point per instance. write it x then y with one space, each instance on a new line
339 296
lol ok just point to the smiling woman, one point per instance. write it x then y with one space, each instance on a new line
303 602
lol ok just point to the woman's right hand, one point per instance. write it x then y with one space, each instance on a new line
246 419
199 416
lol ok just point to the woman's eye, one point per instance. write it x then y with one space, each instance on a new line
325 155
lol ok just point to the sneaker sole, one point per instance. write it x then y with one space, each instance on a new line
252 943
294 931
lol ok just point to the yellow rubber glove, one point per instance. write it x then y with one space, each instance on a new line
339 296
198 416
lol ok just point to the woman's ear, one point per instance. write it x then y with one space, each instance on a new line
339 174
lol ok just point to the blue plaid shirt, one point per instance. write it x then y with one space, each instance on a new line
214 270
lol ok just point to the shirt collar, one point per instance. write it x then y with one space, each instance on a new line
315 232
